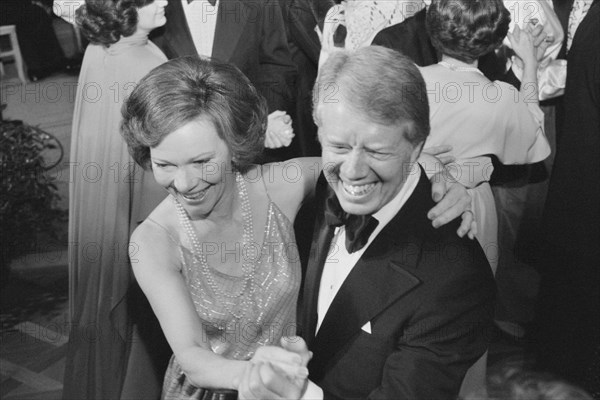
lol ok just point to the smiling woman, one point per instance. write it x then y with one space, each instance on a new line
195 169
217 259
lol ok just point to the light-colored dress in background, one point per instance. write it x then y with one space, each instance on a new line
479 118
109 195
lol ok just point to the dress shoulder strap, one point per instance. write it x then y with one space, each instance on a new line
264 182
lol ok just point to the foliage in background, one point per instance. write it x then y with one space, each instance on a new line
28 196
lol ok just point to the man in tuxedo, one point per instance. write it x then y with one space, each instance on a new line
393 308
249 34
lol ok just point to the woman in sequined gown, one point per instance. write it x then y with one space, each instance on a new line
108 193
216 259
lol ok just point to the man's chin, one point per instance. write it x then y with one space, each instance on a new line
354 207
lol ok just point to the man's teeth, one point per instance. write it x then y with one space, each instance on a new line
358 190
195 196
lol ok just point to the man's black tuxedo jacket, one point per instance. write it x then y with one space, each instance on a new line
428 296
249 34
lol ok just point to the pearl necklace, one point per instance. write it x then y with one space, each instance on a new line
460 68
249 253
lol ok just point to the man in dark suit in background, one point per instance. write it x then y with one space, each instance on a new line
393 308
249 34
301 17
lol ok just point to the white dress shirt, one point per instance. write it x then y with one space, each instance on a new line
201 17
340 263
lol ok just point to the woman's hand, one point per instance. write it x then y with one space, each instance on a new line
522 43
453 200
442 153
279 130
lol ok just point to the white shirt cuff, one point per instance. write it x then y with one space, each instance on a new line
312 392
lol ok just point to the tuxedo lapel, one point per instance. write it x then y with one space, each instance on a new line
231 19
322 236
381 277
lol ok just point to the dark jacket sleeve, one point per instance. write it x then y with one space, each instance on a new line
277 73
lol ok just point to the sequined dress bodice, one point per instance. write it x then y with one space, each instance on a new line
270 310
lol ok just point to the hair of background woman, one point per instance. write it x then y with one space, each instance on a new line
184 89
512 383
106 21
467 29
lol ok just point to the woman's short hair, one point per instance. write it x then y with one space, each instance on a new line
184 89
384 84
509 381
106 21
467 29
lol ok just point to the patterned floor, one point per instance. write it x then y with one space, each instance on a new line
33 333
33 305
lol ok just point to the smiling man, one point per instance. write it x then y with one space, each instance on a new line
393 307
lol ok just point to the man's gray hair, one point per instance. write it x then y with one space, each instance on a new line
380 82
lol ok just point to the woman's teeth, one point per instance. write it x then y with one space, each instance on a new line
358 190
195 196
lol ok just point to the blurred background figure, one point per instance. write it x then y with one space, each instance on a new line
566 335
303 20
249 34
109 195
41 50
508 382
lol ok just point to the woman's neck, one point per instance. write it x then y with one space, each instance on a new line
457 63
140 33
227 204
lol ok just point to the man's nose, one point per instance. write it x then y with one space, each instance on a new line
355 166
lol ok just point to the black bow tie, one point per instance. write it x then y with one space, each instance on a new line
212 2
358 227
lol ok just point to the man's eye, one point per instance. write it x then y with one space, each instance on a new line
379 155
338 148
161 165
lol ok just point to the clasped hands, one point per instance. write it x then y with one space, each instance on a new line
279 130
276 372
529 44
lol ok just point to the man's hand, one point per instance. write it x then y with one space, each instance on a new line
297 345
541 42
266 381
453 200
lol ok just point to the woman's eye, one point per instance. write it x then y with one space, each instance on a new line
161 165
